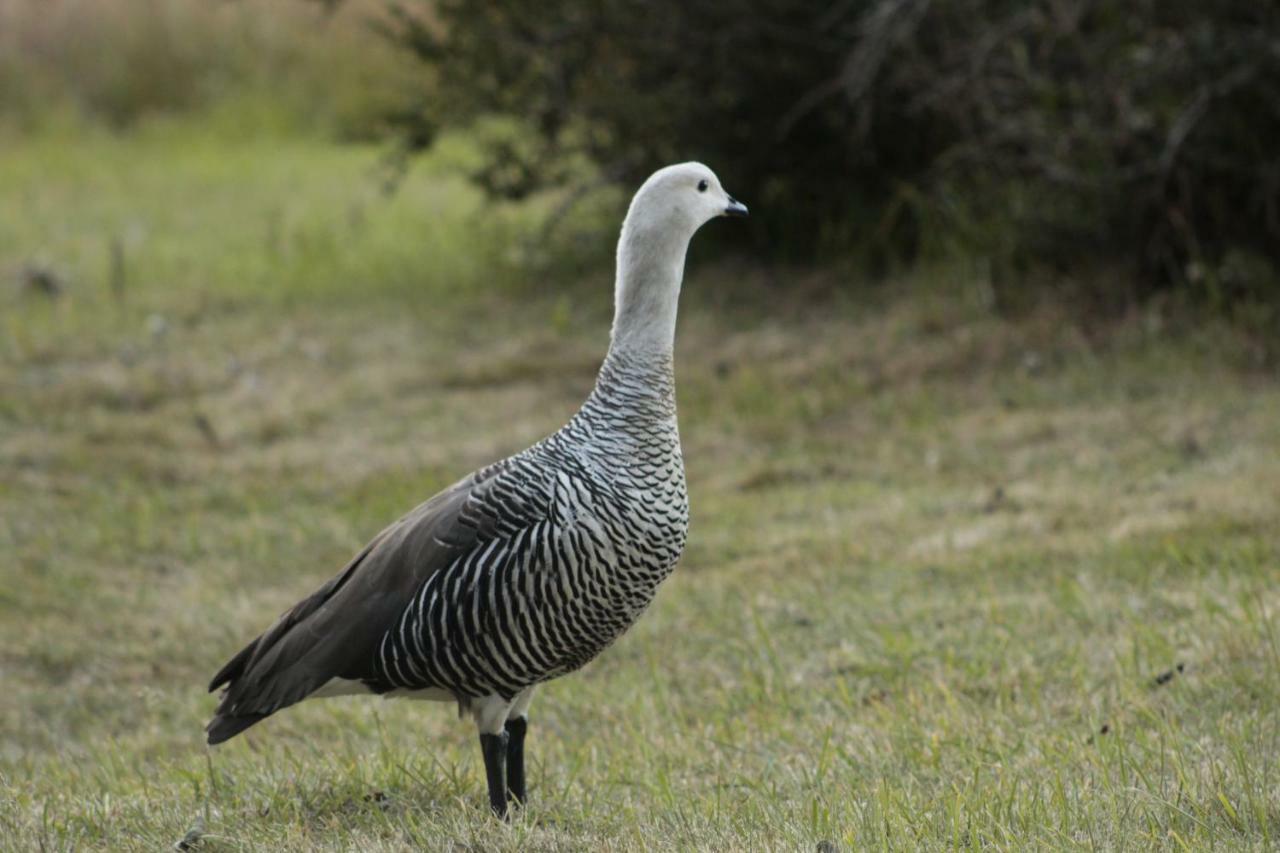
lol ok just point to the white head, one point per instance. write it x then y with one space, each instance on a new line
681 198
663 216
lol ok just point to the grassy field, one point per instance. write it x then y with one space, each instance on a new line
953 580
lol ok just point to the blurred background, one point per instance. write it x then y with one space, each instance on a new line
980 408
1068 137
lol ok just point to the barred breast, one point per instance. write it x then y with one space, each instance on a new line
575 535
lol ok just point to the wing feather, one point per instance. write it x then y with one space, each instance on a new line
333 632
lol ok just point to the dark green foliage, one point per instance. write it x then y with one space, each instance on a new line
1058 131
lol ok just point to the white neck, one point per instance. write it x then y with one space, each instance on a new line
647 291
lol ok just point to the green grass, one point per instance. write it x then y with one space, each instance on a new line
953 580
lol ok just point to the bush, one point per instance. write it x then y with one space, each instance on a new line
1055 130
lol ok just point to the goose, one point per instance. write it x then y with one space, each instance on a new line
530 567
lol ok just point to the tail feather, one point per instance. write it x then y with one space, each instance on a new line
310 644
224 727
234 668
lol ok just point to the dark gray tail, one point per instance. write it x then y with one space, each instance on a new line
222 728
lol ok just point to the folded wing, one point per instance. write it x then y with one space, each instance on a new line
333 632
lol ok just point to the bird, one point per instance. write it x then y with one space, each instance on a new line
528 568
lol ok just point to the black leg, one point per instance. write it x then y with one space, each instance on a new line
515 759
495 770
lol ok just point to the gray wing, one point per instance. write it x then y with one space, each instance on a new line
333 632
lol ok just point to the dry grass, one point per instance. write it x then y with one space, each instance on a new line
953 581
249 65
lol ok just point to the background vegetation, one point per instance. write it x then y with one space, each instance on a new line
973 564
246 67
1066 132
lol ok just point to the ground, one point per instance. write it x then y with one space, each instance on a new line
955 579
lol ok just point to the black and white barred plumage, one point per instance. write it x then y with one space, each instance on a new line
573 537
530 567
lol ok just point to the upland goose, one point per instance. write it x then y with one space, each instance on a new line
530 567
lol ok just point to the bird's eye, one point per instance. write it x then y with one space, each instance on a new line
702 185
